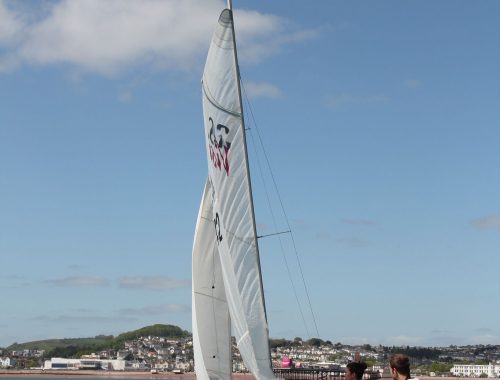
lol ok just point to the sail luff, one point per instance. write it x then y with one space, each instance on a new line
252 208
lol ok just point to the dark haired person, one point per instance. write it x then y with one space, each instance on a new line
355 370
400 367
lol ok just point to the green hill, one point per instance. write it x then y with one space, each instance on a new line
166 331
51 344
79 346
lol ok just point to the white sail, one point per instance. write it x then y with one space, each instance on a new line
211 327
232 209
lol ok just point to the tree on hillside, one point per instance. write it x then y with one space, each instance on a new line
274 343
315 342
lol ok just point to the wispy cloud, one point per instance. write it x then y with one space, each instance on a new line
11 277
277 311
84 319
439 331
22 285
263 227
413 83
490 221
125 96
357 222
354 340
10 28
262 90
109 36
13 281
484 339
159 309
153 282
83 310
345 101
353 242
299 222
261 36
483 330
444 339
323 236
404 340
78 281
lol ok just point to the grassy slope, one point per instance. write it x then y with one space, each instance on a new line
167 331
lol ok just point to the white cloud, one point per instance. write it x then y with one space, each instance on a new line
260 36
153 282
343 101
490 221
10 29
109 36
78 281
10 24
259 90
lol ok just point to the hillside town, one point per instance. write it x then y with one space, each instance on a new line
160 354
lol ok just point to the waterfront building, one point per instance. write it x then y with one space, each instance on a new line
85 363
5 362
473 370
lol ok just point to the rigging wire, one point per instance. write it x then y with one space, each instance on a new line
294 289
284 215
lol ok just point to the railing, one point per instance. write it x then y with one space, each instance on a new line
308 374
317 374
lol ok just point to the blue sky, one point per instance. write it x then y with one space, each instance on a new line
381 121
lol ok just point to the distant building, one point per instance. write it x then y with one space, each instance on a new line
473 370
5 362
85 363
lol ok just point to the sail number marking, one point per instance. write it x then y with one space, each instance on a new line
218 235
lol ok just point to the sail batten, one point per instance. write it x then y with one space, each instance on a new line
233 253
215 104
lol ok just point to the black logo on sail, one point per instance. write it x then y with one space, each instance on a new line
219 146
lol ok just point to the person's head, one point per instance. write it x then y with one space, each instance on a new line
400 366
355 370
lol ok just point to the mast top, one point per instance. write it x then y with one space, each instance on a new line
230 5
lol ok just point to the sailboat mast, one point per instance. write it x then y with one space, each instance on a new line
246 155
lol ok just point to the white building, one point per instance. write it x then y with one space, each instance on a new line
473 370
85 363
5 362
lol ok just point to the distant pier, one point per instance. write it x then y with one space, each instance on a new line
317 374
